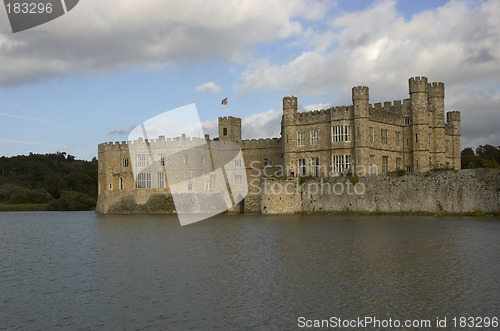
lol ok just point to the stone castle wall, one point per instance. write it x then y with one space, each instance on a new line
450 191
409 134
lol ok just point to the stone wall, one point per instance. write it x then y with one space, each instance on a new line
436 191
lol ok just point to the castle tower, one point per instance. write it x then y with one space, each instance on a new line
419 99
288 133
360 132
229 128
437 130
453 120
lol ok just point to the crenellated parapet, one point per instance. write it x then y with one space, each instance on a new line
160 142
360 92
261 143
436 90
312 117
418 85
452 116
341 113
382 115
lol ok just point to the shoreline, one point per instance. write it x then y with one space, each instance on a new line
475 213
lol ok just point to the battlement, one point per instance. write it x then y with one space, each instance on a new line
453 116
290 102
141 141
261 143
229 118
395 106
314 116
436 90
360 92
418 84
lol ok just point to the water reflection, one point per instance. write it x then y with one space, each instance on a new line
241 271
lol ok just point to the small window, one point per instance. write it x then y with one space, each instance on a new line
110 186
416 138
408 168
301 138
162 160
237 179
384 136
125 163
121 183
224 131
397 137
302 167
398 163
385 164
237 163
372 135
186 159
161 179
315 166
446 146
314 137
190 186
407 120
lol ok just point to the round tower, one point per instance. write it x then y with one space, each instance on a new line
419 99
289 133
360 99
360 130
453 120
289 109
436 123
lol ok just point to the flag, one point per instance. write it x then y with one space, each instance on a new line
224 101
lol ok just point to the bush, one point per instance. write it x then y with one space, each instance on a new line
7 190
24 195
72 201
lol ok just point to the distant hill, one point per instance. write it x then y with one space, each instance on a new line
54 181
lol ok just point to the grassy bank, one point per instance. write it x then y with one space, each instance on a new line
23 206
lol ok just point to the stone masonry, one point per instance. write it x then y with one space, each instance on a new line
361 138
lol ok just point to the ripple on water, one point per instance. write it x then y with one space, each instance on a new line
80 271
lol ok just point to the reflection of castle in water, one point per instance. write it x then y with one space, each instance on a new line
409 134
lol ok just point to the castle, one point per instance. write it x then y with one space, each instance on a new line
409 134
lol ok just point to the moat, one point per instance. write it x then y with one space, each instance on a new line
83 271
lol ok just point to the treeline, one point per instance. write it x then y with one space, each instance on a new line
487 156
58 180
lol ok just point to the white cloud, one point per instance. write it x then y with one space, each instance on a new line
316 106
377 47
208 87
262 125
457 43
211 128
99 36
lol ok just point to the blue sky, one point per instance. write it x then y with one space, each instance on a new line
91 75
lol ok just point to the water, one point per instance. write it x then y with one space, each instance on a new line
82 271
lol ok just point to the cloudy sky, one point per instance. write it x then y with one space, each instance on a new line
106 66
